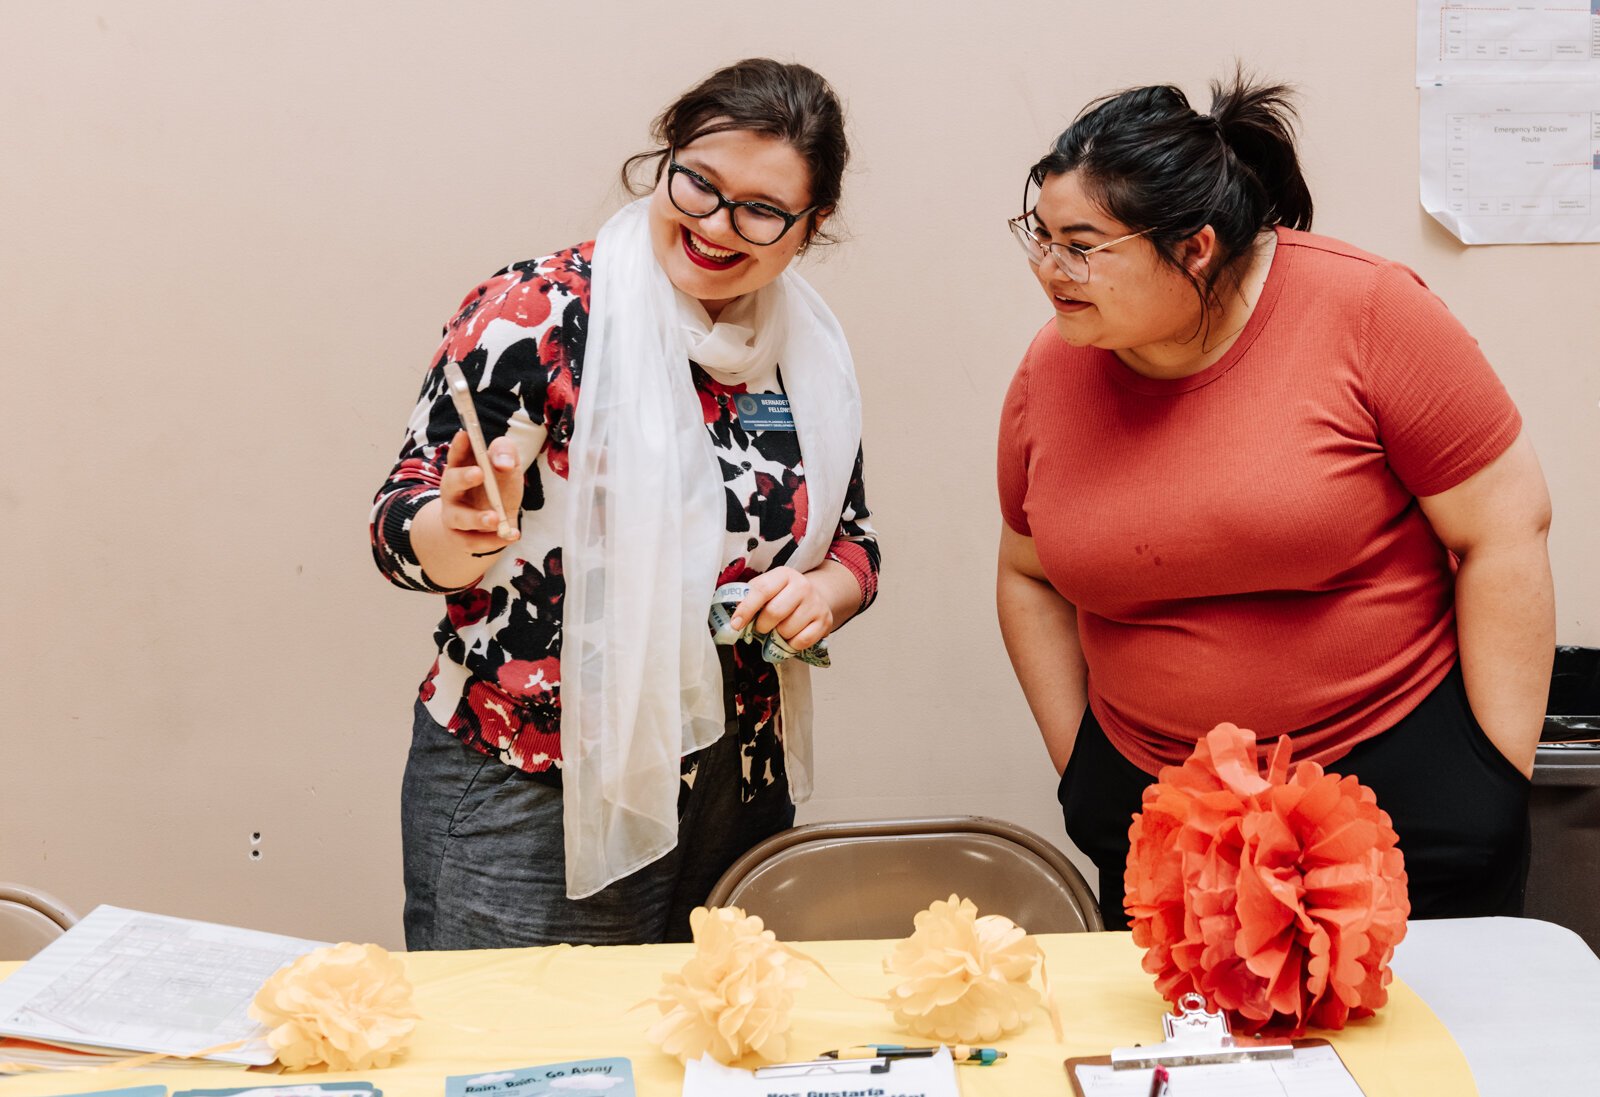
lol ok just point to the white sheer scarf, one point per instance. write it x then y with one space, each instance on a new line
641 685
742 346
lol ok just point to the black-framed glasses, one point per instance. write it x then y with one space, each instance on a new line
1070 259
756 222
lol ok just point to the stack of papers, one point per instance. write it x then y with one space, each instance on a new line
123 982
61 1056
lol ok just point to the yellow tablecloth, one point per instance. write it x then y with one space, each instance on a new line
494 1010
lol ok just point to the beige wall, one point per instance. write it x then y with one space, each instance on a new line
229 233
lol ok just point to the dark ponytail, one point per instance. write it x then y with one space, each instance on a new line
1257 122
1151 161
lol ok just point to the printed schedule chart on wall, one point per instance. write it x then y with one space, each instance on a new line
1510 119
1509 167
1557 40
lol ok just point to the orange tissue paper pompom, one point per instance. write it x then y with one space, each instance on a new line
1278 899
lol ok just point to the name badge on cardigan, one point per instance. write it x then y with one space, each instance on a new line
763 411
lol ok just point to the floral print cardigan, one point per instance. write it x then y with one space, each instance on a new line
496 683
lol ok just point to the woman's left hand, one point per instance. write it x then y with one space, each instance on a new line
787 602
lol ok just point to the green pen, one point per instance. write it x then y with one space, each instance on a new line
961 1053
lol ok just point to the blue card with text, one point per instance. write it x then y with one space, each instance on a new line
763 411
600 1077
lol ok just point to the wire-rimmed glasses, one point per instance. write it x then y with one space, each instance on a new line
1070 259
756 222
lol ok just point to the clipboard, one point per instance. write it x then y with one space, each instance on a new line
1315 1067
1203 1058
928 1076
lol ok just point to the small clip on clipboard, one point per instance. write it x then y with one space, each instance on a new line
879 1065
1198 1037
930 1075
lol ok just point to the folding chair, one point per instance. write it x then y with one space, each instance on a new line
838 881
29 920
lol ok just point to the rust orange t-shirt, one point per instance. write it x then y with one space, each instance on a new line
1245 544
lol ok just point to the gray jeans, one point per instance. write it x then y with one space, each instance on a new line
485 865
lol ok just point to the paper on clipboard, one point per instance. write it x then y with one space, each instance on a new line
1315 1071
932 1076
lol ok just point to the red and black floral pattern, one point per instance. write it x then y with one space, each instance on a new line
519 338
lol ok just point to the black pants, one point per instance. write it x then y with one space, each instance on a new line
1459 807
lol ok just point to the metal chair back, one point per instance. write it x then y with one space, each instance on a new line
867 880
29 920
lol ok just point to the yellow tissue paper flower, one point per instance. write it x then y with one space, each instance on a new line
348 1006
964 978
734 996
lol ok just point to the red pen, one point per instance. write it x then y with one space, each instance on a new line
1158 1082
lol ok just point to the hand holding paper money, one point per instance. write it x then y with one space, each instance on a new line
774 649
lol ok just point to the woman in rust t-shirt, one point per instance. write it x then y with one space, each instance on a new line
1250 474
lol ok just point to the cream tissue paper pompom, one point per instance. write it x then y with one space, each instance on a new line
964 978
346 1005
734 996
